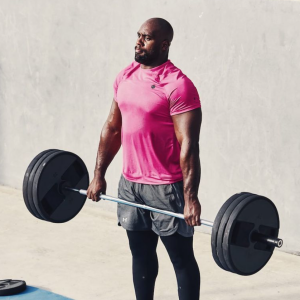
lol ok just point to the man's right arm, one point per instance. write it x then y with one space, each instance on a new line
109 145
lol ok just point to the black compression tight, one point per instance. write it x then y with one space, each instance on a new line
145 264
180 250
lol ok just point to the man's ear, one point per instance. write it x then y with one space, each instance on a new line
165 45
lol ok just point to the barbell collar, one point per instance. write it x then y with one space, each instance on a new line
267 239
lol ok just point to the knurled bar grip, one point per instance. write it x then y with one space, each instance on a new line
258 237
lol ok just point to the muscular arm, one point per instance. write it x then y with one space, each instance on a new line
187 129
109 145
110 140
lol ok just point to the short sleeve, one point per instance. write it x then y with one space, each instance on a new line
116 84
183 96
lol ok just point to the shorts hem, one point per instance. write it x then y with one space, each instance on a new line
186 234
171 232
133 229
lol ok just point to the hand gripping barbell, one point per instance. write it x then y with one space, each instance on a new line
244 233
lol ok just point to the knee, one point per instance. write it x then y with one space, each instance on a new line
178 262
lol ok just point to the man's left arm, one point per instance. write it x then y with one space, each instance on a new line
187 129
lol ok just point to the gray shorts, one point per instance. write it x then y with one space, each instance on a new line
163 196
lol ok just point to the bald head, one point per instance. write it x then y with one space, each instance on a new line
153 43
161 27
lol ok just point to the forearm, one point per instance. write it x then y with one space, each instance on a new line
191 170
109 145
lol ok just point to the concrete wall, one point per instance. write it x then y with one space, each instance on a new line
58 60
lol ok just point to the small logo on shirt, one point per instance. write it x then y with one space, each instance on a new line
153 86
125 220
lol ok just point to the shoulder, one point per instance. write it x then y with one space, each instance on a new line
182 86
127 70
180 92
181 83
175 79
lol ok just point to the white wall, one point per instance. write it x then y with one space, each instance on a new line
58 60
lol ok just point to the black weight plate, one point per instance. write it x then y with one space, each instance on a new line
30 182
222 226
59 167
25 180
215 228
243 255
11 287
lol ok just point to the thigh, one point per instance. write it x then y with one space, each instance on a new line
131 218
167 197
179 248
142 243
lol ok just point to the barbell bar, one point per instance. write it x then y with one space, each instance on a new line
244 232
259 237
146 207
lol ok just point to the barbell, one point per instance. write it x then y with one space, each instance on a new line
244 232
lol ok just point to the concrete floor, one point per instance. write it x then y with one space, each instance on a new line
88 258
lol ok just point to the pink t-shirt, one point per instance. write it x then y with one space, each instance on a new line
147 98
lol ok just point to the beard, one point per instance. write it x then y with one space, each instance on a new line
147 57
143 58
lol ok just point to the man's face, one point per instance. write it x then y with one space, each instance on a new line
147 48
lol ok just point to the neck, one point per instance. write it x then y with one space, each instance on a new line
155 64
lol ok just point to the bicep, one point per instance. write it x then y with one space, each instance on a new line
114 119
187 126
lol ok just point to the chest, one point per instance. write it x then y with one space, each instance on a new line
142 96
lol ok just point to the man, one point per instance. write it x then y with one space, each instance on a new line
156 115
